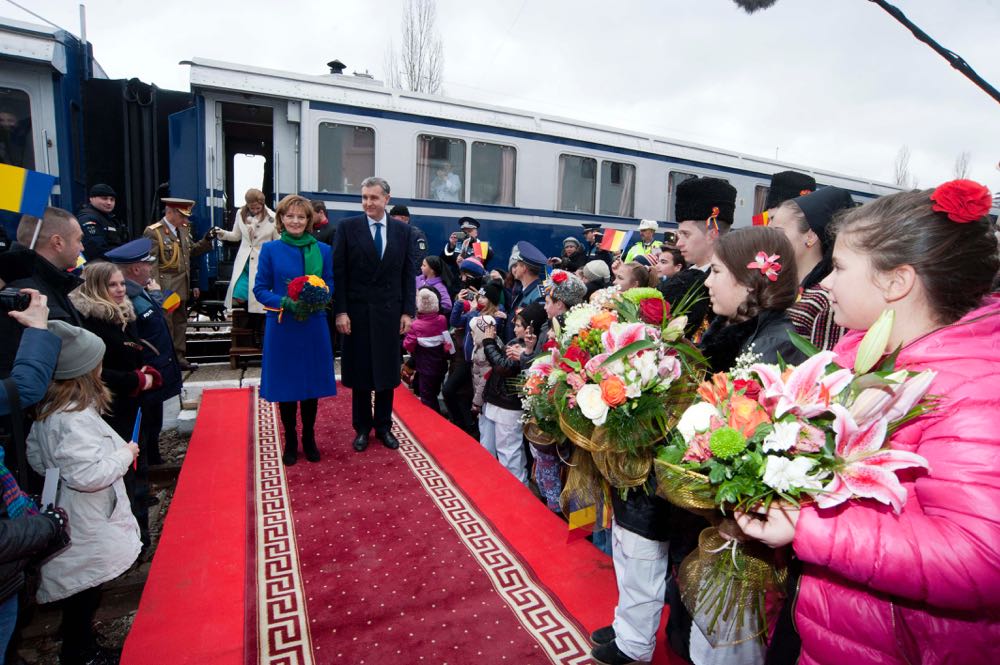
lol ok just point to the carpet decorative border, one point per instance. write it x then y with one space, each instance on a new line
557 633
282 622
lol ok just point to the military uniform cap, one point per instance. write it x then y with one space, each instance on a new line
101 189
183 206
591 226
468 223
131 252
531 255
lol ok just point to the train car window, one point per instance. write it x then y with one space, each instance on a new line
440 168
617 189
492 175
675 178
577 183
17 147
346 157
760 198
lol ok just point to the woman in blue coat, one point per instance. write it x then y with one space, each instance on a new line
298 358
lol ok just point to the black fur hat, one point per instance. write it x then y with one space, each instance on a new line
788 185
696 197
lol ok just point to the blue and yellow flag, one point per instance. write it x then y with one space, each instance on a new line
23 191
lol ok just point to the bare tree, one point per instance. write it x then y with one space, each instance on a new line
962 165
901 169
419 64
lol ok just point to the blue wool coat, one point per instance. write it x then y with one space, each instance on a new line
298 357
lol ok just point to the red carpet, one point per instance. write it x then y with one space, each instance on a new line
192 609
429 554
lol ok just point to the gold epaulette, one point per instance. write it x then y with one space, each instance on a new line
155 226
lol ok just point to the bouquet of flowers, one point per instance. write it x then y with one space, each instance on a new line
613 381
815 432
306 295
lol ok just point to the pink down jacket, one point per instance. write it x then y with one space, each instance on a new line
922 586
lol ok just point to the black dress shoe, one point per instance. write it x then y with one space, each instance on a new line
603 636
361 442
610 654
309 447
388 440
186 366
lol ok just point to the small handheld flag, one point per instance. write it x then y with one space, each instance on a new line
763 219
23 191
171 301
135 435
480 250
615 240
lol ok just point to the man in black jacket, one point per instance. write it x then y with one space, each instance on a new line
374 303
102 230
43 268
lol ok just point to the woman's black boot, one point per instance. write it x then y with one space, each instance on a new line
287 411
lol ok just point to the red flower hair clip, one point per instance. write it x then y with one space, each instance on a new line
805 192
767 265
963 201
559 276
713 219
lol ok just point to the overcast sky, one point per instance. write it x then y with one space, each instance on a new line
833 84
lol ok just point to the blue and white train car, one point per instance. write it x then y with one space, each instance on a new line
525 176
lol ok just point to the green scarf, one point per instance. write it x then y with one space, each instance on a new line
310 252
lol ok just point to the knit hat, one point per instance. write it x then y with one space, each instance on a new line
472 265
567 288
427 301
534 316
696 198
572 241
81 350
787 185
820 207
493 291
596 271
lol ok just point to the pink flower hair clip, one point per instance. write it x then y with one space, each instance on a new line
767 265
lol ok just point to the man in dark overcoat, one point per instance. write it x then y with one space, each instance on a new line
374 271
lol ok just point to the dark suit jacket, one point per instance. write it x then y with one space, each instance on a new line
375 293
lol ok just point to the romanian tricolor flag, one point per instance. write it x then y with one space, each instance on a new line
23 191
615 240
480 249
171 301
762 219
581 523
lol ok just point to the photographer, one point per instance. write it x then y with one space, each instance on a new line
36 353
460 245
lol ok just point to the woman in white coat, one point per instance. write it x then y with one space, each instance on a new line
253 226
70 435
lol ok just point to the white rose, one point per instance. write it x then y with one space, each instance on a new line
696 419
783 473
592 404
782 438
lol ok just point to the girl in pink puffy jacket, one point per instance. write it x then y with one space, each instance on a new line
922 586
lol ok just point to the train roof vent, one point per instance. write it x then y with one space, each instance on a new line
336 67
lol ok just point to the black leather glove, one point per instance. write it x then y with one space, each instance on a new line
58 517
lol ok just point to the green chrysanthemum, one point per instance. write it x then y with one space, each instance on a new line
640 293
727 443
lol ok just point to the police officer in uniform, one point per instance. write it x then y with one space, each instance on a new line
454 253
591 248
646 245
136 263
402 214
102 230
173 248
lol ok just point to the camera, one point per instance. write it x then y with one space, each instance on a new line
12 300
460 236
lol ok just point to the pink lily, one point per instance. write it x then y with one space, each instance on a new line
620 335
805 390
867 469
891 400
545 364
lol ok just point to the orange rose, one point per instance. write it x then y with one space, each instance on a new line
603 320
613 391
746 414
